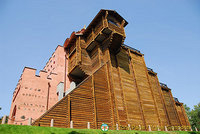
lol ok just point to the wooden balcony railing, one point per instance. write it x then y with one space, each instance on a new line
100 26
72 62
94 33
116 28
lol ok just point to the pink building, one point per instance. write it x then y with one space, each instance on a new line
35 94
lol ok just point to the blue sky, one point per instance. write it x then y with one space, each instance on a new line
167 32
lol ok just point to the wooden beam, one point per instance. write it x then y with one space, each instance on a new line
94 101
109 88
69 111
112 81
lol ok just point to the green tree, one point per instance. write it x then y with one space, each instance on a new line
188 111
195 116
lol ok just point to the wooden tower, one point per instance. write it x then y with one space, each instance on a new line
113 84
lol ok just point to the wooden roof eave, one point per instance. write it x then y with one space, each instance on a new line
166 88
70 40
151 72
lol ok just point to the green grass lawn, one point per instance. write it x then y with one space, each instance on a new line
16 129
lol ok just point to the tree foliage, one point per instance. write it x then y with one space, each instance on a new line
193 115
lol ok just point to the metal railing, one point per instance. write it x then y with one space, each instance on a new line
163 85
149 69
176 99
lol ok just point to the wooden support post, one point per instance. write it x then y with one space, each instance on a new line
94 101
69 110
172 128
92 34
129 127
149 128
79 44
88 125
52 121
179 128
99 55
106 18
140 128
109 89
117 127
71 124
29 121
166 128
158 129
3 120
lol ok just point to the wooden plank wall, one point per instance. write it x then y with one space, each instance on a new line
58 112
82 106
144 89
128 82
117 87
120 92
89 102
185 115
164 120
181 112
102 98
170 106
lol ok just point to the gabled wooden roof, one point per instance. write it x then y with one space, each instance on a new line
98 17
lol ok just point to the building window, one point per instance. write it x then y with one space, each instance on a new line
112 22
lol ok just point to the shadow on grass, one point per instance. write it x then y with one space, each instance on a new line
74 132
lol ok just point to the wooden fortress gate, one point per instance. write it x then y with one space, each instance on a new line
114 86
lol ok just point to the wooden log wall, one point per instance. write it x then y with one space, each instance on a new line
164 120
145 92
122 92
129 89
102 98
58 112
82 106
170 107
89 102
117 88
181 112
